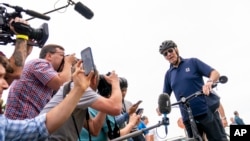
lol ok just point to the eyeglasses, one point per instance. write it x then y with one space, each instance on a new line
168 51
60 53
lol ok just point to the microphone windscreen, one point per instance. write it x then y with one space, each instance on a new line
84 10
164 103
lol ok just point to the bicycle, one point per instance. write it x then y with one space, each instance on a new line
185 102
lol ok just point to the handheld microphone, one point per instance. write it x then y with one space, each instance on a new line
164 106
166 129
164 103
29 12
84 10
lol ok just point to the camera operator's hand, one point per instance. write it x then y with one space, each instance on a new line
112 79
30 41
70 59
17 20
19 55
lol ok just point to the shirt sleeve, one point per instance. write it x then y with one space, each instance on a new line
121 119
26 130
43 70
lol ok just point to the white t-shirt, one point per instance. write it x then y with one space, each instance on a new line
158 133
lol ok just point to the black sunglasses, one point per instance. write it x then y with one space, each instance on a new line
168 51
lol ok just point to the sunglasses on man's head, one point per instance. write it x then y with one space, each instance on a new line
168 51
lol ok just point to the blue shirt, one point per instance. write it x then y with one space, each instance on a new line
238 120
23 130
143 126
121 119
185 80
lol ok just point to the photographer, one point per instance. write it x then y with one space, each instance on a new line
112 106
110 128
40 127
29 94
20 54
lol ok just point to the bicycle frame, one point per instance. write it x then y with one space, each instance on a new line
185 102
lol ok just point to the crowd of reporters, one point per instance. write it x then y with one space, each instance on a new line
38 93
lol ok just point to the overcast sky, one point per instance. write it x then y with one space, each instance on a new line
125 36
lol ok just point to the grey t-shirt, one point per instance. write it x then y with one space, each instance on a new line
67 132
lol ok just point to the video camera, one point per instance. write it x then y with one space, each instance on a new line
39 35
104 88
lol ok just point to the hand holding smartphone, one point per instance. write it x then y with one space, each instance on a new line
137 103
88 61
139 111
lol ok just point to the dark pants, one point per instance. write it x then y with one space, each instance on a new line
139 138
209 124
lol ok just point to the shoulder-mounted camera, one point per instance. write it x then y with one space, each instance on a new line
39 35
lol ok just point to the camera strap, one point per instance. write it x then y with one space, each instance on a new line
66 89
112 133
87 119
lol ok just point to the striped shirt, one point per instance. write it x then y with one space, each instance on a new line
29 94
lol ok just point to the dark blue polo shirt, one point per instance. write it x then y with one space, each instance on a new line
186 80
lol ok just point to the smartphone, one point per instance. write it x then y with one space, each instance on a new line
88 61
138 102
139 111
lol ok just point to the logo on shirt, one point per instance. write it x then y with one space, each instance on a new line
187 69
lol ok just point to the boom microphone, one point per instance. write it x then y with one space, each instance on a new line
29 12
84 10
36 14
164 103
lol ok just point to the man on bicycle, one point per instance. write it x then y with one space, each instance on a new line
185 77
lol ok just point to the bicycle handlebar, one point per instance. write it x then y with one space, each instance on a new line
186 99
183 100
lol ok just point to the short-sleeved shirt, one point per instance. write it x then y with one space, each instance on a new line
23 130
142 125
185 80
29 94
68 131
238 120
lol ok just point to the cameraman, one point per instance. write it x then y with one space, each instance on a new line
40 78
20 54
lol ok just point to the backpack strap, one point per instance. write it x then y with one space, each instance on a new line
87 119
66 89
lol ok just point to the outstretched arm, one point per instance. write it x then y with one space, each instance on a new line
133 121
96 123
59 114
19 56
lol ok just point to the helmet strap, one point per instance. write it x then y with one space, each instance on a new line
176 64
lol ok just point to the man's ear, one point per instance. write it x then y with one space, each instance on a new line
176 50
94 82
48 56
